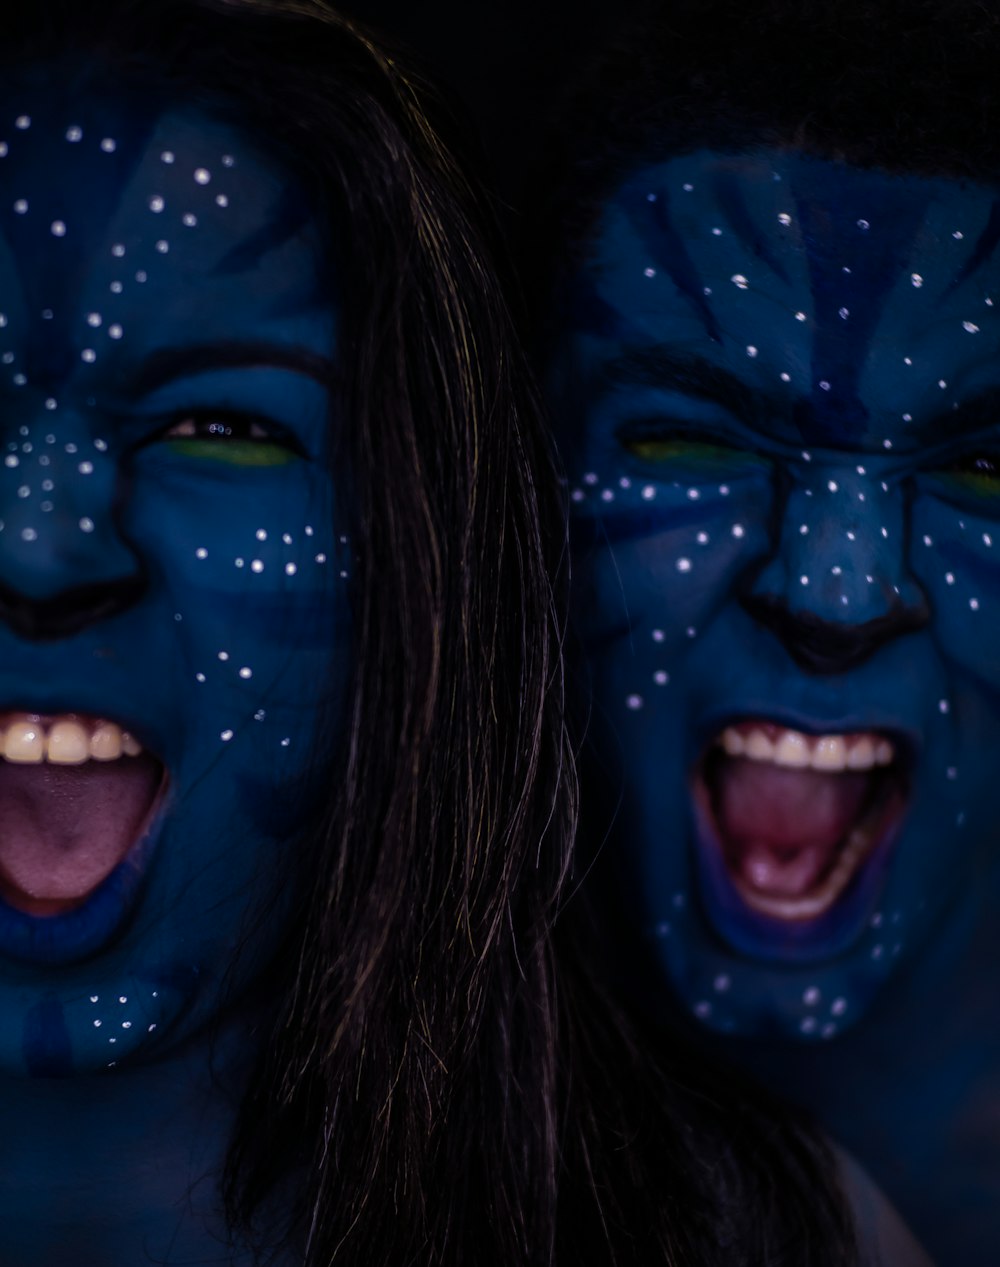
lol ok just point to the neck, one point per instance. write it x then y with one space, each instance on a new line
124 1164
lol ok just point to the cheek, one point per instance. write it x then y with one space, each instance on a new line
656 566
251 595
956 556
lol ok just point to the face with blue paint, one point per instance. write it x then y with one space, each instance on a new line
172 590
777 385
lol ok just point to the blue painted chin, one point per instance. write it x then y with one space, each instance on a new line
75 934
816 926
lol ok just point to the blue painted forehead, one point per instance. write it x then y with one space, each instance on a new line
114 193
821 269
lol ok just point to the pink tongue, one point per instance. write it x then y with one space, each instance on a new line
780 827
64 828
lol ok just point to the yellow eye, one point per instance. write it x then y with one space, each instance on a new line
230 439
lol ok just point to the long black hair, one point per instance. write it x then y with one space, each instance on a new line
444 1081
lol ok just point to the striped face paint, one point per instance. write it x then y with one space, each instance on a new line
777 386
172 587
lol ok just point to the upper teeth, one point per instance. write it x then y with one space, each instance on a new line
67 740
819 752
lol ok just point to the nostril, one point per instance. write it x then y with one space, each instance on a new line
824 647
70 611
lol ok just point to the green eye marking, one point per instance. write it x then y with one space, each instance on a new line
979 476
699 457
672 450
234 452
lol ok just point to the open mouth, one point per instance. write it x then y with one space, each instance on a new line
798 820
77 793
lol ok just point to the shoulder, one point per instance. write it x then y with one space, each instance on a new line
883 1237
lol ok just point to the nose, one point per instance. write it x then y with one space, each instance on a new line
838 587
64 564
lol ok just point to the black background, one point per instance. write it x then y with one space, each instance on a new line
503 64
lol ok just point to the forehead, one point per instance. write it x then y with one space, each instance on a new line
849 295
122 222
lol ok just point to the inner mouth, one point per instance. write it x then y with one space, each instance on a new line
797 817
76 794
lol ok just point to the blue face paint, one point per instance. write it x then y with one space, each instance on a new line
777 386
168 567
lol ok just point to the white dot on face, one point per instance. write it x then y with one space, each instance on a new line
167 156
189 219
201 553
863 225
784 217
93 319
658 635
832 485
803 580
141 275
970 327
156 203
739 281
987 539
221 200
163 246
800 316
634 702
661 678
974 604
22 121
86 524
256 566
28 534
86 468
824 385
202 176
648 493
246 673
50 404
109 145
114 331
751 351
949 578
226 736
649 272
74 134
290 569
21 206
916 280
738 530
683 565
785 378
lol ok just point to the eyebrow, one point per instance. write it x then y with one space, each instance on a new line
661 366
169 363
